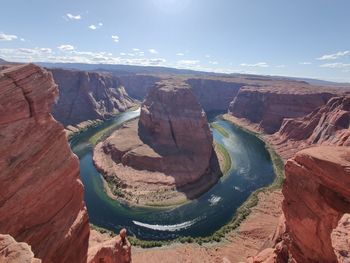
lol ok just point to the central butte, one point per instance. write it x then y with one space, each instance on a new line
167 156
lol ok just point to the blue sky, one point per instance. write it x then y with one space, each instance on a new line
305 38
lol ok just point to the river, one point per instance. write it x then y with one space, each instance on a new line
251 169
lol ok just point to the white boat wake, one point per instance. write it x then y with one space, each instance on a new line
214 199
171 228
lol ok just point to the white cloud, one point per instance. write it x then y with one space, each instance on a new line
136 49
94 27
188 62
5 37
46 50
258 65
73 17
207 56
22 39
305 63
281 66
153 51
334 56
115 38
43 54
213 62
122 54
336 65
180 54
66 47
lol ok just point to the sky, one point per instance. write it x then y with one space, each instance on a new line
301 38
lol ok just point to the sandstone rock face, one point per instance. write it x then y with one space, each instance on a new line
88 96
341 239
317 196
328 124
214 94
172 120
109 250
138 86
41 200
267 106
169 148
13 252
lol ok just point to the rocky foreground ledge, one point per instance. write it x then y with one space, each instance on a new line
167 156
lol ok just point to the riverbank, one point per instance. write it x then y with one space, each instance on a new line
74 130
175 196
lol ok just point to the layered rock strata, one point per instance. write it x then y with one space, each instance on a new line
88 96
41 201
328 124
156 159
316 197
214 94
268 106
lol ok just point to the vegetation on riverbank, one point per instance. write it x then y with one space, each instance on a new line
104 133
220 129
224 158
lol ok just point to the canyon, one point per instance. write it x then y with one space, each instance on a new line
308 126
144 156
88 96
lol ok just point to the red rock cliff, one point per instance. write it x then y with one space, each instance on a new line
317 195
88 96
268 106
41 200
328 124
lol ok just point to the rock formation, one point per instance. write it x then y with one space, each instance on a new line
111 250
214 94
170 147
41 199
88 96
316 196
268 106
138 86
328 124
37 168
12 251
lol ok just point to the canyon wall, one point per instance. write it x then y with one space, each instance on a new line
41 200
268 106
328 124
214 94
42 212
137 86
316 197
88 96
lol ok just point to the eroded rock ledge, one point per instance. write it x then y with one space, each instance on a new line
167 156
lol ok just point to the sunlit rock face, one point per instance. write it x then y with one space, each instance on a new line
328 124
268 106
316 197
88 96
41 199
